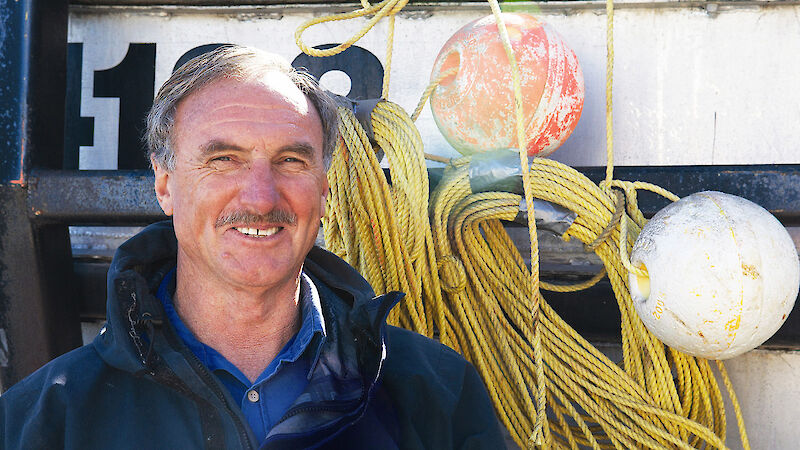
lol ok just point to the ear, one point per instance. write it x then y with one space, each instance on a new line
162 187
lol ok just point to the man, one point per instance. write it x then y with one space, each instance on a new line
226 329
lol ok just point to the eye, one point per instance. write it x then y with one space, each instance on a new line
222 162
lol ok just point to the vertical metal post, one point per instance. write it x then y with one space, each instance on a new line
38 314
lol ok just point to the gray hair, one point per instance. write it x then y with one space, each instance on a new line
236 62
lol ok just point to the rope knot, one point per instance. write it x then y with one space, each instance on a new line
615 218
452 274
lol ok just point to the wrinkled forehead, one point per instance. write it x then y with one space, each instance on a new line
273 87
246 108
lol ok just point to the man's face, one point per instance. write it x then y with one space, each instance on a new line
249 184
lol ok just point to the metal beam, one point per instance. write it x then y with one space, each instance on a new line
414 9
126 197
38 309
775 187
106 197
38 317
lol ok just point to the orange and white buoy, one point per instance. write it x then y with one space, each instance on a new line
474 108
723 274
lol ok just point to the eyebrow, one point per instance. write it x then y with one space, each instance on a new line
301 148
214 146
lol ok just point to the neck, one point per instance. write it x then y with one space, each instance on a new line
248 326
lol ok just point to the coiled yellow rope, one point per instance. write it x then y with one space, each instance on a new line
469 287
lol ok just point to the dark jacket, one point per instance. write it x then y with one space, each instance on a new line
138 386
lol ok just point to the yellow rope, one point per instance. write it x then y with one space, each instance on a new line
388 70
522 142
379 11
609 90
429 90
469 287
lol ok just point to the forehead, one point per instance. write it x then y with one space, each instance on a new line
273 88
270 105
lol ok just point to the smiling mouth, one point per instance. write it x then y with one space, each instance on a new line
258 232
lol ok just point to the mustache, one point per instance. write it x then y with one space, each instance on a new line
249 218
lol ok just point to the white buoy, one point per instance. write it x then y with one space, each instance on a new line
723 274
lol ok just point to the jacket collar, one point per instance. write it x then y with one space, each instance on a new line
351 309
149 255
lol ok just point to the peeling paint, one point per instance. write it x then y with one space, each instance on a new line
474 109
725 290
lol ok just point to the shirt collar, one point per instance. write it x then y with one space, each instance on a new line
311 337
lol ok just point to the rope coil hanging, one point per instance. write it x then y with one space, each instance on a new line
469 287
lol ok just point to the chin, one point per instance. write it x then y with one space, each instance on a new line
262 274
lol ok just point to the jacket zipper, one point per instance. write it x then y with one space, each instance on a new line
301 409
197 365
206 376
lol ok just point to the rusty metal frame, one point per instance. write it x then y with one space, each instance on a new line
126 197
38 317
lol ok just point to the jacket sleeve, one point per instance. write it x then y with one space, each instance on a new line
475 424
25 422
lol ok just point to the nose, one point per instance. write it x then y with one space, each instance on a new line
257 187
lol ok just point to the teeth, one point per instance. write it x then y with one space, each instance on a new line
258 232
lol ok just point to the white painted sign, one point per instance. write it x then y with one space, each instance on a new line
689 87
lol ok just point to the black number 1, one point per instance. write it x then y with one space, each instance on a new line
133 82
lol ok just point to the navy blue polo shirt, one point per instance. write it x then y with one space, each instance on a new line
266 400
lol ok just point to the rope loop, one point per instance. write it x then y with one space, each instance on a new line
623 250
555 287
452 274
380 10
641 185
465 278
615 218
